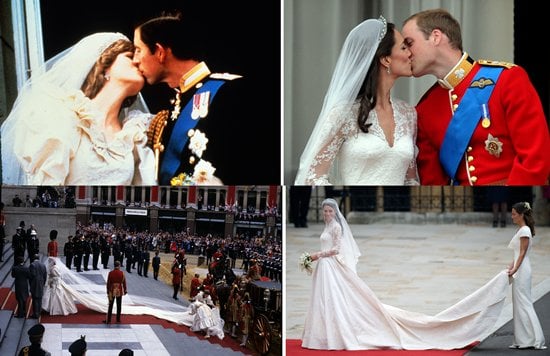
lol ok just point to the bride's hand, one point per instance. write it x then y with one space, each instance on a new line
314 256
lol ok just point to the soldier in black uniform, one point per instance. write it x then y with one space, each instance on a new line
68 251
78 252
95 252
128 252
87 252
36 334
33 245
19 243
208 105
146 257
105 251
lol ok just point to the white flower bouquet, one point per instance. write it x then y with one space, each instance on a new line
306 262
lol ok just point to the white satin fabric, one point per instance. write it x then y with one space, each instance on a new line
366 158
207 319
527 329
94 296
75 150
56 300
345 314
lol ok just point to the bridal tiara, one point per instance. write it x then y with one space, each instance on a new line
384 28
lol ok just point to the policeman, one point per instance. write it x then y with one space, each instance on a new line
79 347
35 336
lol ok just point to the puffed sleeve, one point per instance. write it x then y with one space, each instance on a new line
47 137
144 157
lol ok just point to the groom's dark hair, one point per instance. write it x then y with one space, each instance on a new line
184 36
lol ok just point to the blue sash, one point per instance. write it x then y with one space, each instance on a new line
466 117
178 139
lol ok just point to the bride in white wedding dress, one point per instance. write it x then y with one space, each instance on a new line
92 294
56 300
81 120
363 135
344 313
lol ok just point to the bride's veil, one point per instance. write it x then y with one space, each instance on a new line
349 251
349 74
42 93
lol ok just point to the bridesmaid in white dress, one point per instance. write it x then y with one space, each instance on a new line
56 299
363 135
81 120
344 313
527 329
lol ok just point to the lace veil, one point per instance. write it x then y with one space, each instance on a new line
64 73
349 251
349 74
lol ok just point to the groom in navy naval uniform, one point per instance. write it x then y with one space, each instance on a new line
214 120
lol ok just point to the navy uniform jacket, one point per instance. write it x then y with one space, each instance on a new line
234 128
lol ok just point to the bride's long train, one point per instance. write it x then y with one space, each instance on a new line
94 296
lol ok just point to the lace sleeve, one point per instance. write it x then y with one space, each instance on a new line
336 234
325 146
408 113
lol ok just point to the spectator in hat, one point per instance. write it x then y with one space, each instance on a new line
52 245
35 333
79 347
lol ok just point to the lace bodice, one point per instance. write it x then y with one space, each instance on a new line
331 239
367 158
76 151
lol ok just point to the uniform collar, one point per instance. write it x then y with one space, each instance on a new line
459 72
192 77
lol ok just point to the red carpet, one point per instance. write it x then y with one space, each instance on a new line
88 316
293 347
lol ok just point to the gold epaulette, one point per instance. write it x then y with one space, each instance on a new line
154 133
487 62
226 76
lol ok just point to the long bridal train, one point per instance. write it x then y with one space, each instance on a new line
354 318
94 296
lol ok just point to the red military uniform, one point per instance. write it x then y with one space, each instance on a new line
116 283
517 124
194 288
52 248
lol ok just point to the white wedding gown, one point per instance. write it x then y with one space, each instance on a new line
527 329
345 314
56 300
94 296
367 158
75 151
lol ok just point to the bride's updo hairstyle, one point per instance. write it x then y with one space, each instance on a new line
524 208
95 80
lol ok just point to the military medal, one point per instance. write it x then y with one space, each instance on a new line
493 145
203 104
196 106
486 120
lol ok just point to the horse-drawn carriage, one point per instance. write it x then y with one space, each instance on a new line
266 298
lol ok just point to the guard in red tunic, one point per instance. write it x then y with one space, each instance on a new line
116 288
483 122
52 245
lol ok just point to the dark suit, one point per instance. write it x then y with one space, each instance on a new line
21 274
156 266
37 281
231 127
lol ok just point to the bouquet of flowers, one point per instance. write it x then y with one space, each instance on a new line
306 262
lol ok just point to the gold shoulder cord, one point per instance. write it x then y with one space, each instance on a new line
154 135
